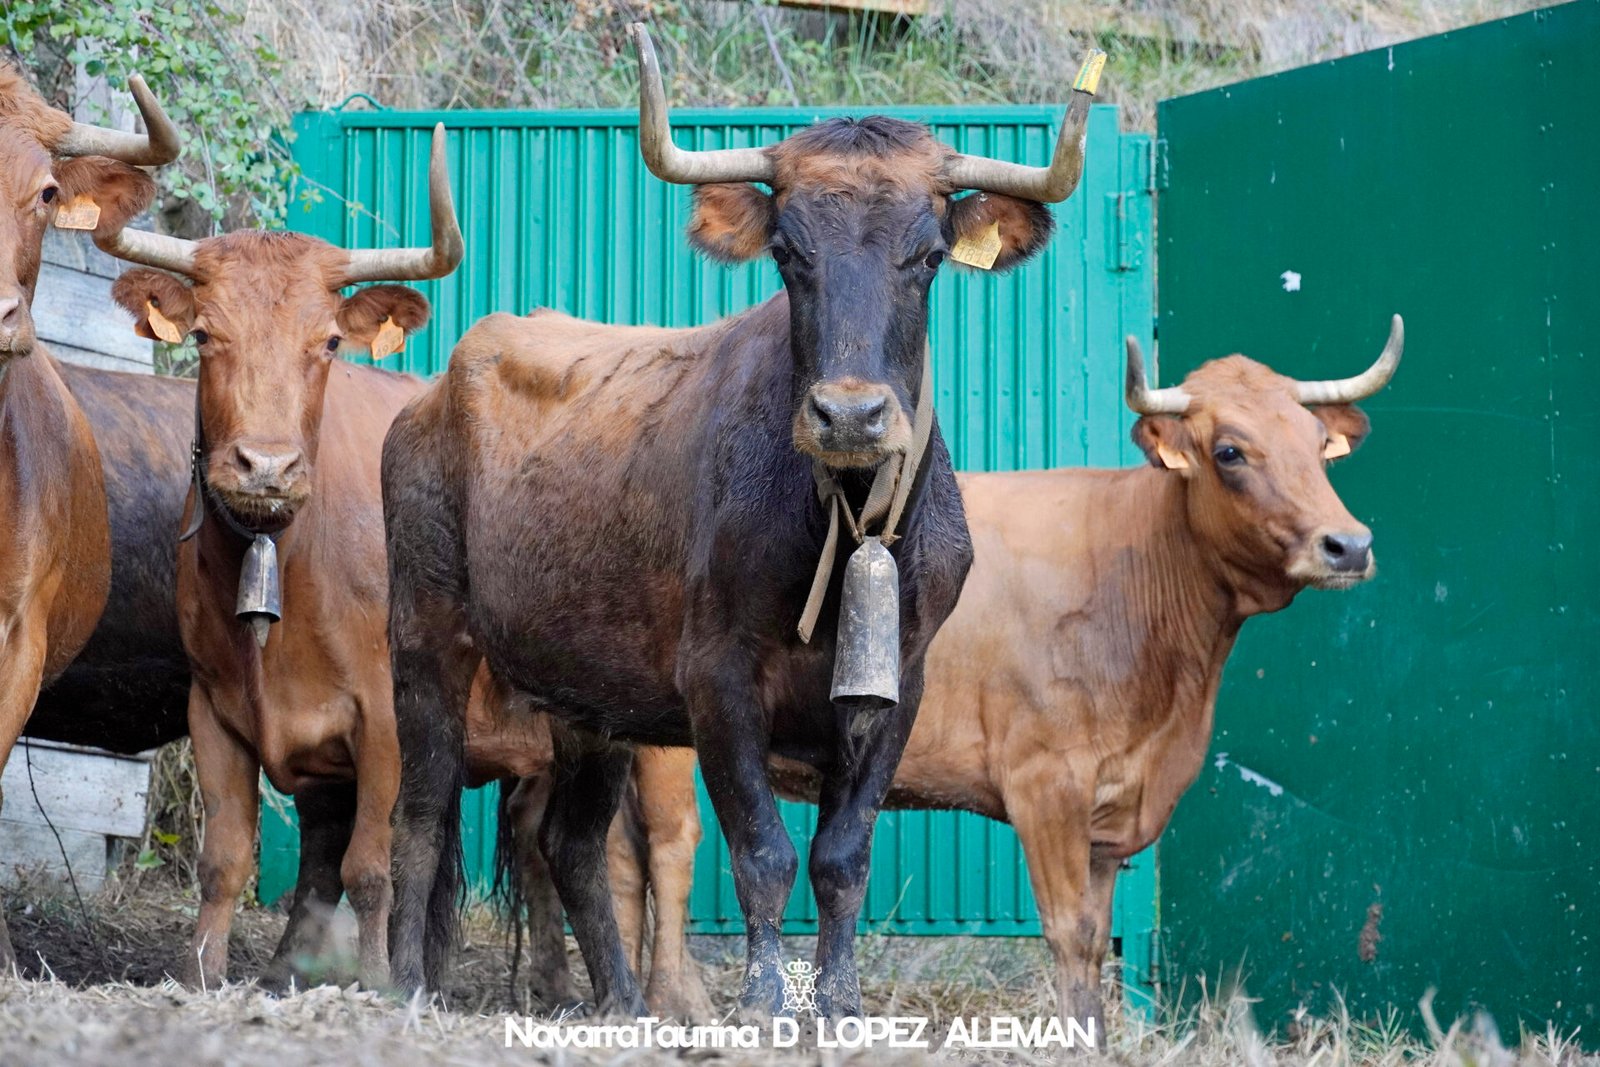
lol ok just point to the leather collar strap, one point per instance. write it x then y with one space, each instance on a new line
886 500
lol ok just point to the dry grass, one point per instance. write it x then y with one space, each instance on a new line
97 993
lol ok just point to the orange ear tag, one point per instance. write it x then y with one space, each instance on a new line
980 251
79 213
1338 445
1172 459
389 339
163 328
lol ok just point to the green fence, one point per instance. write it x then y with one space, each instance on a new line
1431 738
558 211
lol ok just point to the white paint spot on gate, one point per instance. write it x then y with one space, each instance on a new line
1246 774
1291 281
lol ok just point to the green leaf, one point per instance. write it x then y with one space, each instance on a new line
148 861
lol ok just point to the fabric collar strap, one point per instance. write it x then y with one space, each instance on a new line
886 500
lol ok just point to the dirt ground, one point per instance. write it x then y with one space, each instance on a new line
96 990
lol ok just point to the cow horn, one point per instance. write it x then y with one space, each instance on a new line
150 149
666 160
151 249
1363 385
418 264
1143 400
1047 185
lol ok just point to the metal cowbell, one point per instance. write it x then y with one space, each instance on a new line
260 600
866 658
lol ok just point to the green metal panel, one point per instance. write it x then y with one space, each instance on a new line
1434 733
558 210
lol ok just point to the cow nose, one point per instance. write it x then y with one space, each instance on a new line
11 322
267 472
860 417
1347 553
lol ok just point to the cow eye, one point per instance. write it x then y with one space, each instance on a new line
933 259
781 256
1228 456
200 336
48 193
334 342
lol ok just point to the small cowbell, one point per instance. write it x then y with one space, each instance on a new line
260 600
866 658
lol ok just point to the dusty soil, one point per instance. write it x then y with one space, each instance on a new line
96 991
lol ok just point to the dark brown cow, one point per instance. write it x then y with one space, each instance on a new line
1071 692
55 565
625 523
288 449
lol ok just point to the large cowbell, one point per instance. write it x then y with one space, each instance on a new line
866 658
260 600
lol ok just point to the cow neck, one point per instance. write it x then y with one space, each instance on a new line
203 500
885 503
1245 591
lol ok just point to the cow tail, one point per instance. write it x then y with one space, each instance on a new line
447 901
506 890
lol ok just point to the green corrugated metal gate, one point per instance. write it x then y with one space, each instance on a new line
558 211
1434 733
1422 750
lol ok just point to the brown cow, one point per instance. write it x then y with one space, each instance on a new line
288 449
55 566
1071 692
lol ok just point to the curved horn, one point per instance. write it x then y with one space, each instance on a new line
151 249
1363 385
1143 400
1047 185
417 264
666 160
151 149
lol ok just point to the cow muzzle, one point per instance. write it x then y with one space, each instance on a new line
851 423
262 485
16 328
1336 558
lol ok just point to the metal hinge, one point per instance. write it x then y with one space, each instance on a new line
1160 166
1123 251
1153 971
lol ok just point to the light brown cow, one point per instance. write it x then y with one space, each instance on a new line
289 439
55 566
1071 692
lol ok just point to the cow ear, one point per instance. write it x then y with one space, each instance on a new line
1166 443
1347 427
379 317
162 306
732 222
118 192
993 232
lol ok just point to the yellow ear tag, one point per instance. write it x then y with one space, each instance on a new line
164 328
980 251
389 339
79 213
1172 459
1338 445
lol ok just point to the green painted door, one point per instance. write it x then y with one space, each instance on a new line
1419 758
557 210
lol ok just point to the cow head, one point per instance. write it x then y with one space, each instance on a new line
860 217
55 170
269 319
1253 447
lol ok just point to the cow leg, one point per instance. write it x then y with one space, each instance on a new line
1053 825
326 815
852 792
671 817
549 976
590 777
22 657
228 789
731 738
365 871
630 886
